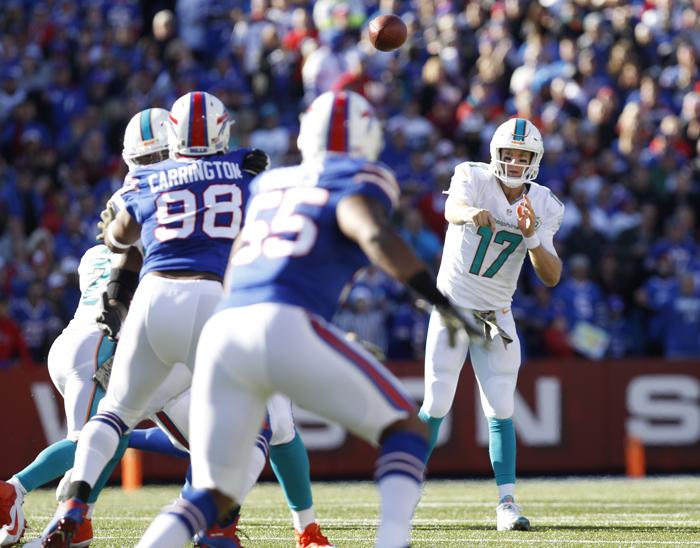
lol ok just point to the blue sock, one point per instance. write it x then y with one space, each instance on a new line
155 440
51 463
502 449
434 427
109 468
399 473
290 462
395 445
196 509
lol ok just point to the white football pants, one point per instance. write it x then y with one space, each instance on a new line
161 330
72 362
495 366
249 353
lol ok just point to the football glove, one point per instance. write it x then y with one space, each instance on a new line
256 161
455 321
107 215
110 318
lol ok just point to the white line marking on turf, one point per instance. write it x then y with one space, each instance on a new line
542 521
465 540
476 504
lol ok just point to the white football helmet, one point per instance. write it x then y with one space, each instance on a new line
199 125
342 122
517 134
146 138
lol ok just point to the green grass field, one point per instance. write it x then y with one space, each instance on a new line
565 512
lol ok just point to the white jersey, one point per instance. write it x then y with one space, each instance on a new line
94 269
479 269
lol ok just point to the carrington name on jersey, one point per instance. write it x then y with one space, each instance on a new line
191 172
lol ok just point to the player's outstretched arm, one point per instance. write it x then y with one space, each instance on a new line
364 220
459 212
123 281
122 232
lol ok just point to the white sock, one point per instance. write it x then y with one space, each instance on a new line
399 498
257 463
14 480
165 530
506 489
96 446
303 518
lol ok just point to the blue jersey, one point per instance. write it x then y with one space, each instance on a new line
292 250
189 211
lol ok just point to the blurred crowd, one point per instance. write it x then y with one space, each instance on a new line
612 85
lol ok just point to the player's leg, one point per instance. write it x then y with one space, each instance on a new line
156 441
160 333
228 407
84 533
320 370
152 329
172 437
73 357
290 463
496 368
443 364
72 360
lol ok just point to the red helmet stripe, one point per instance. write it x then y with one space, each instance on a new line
197 121
337 130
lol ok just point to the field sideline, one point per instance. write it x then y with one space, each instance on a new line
564 512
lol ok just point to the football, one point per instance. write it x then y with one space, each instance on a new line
387 32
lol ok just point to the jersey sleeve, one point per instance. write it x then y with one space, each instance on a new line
129 196
377 182
551 221
85 262
463 184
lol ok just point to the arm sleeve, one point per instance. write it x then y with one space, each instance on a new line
551 221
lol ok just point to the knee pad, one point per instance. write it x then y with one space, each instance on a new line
498 397
439 396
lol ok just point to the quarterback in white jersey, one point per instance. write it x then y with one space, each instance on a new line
497 215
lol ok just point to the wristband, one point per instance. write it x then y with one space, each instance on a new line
113 240
531 242
424 284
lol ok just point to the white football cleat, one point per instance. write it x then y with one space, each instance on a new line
11 514
509 516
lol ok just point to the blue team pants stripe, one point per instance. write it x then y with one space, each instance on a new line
390 392
169 425
146 129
